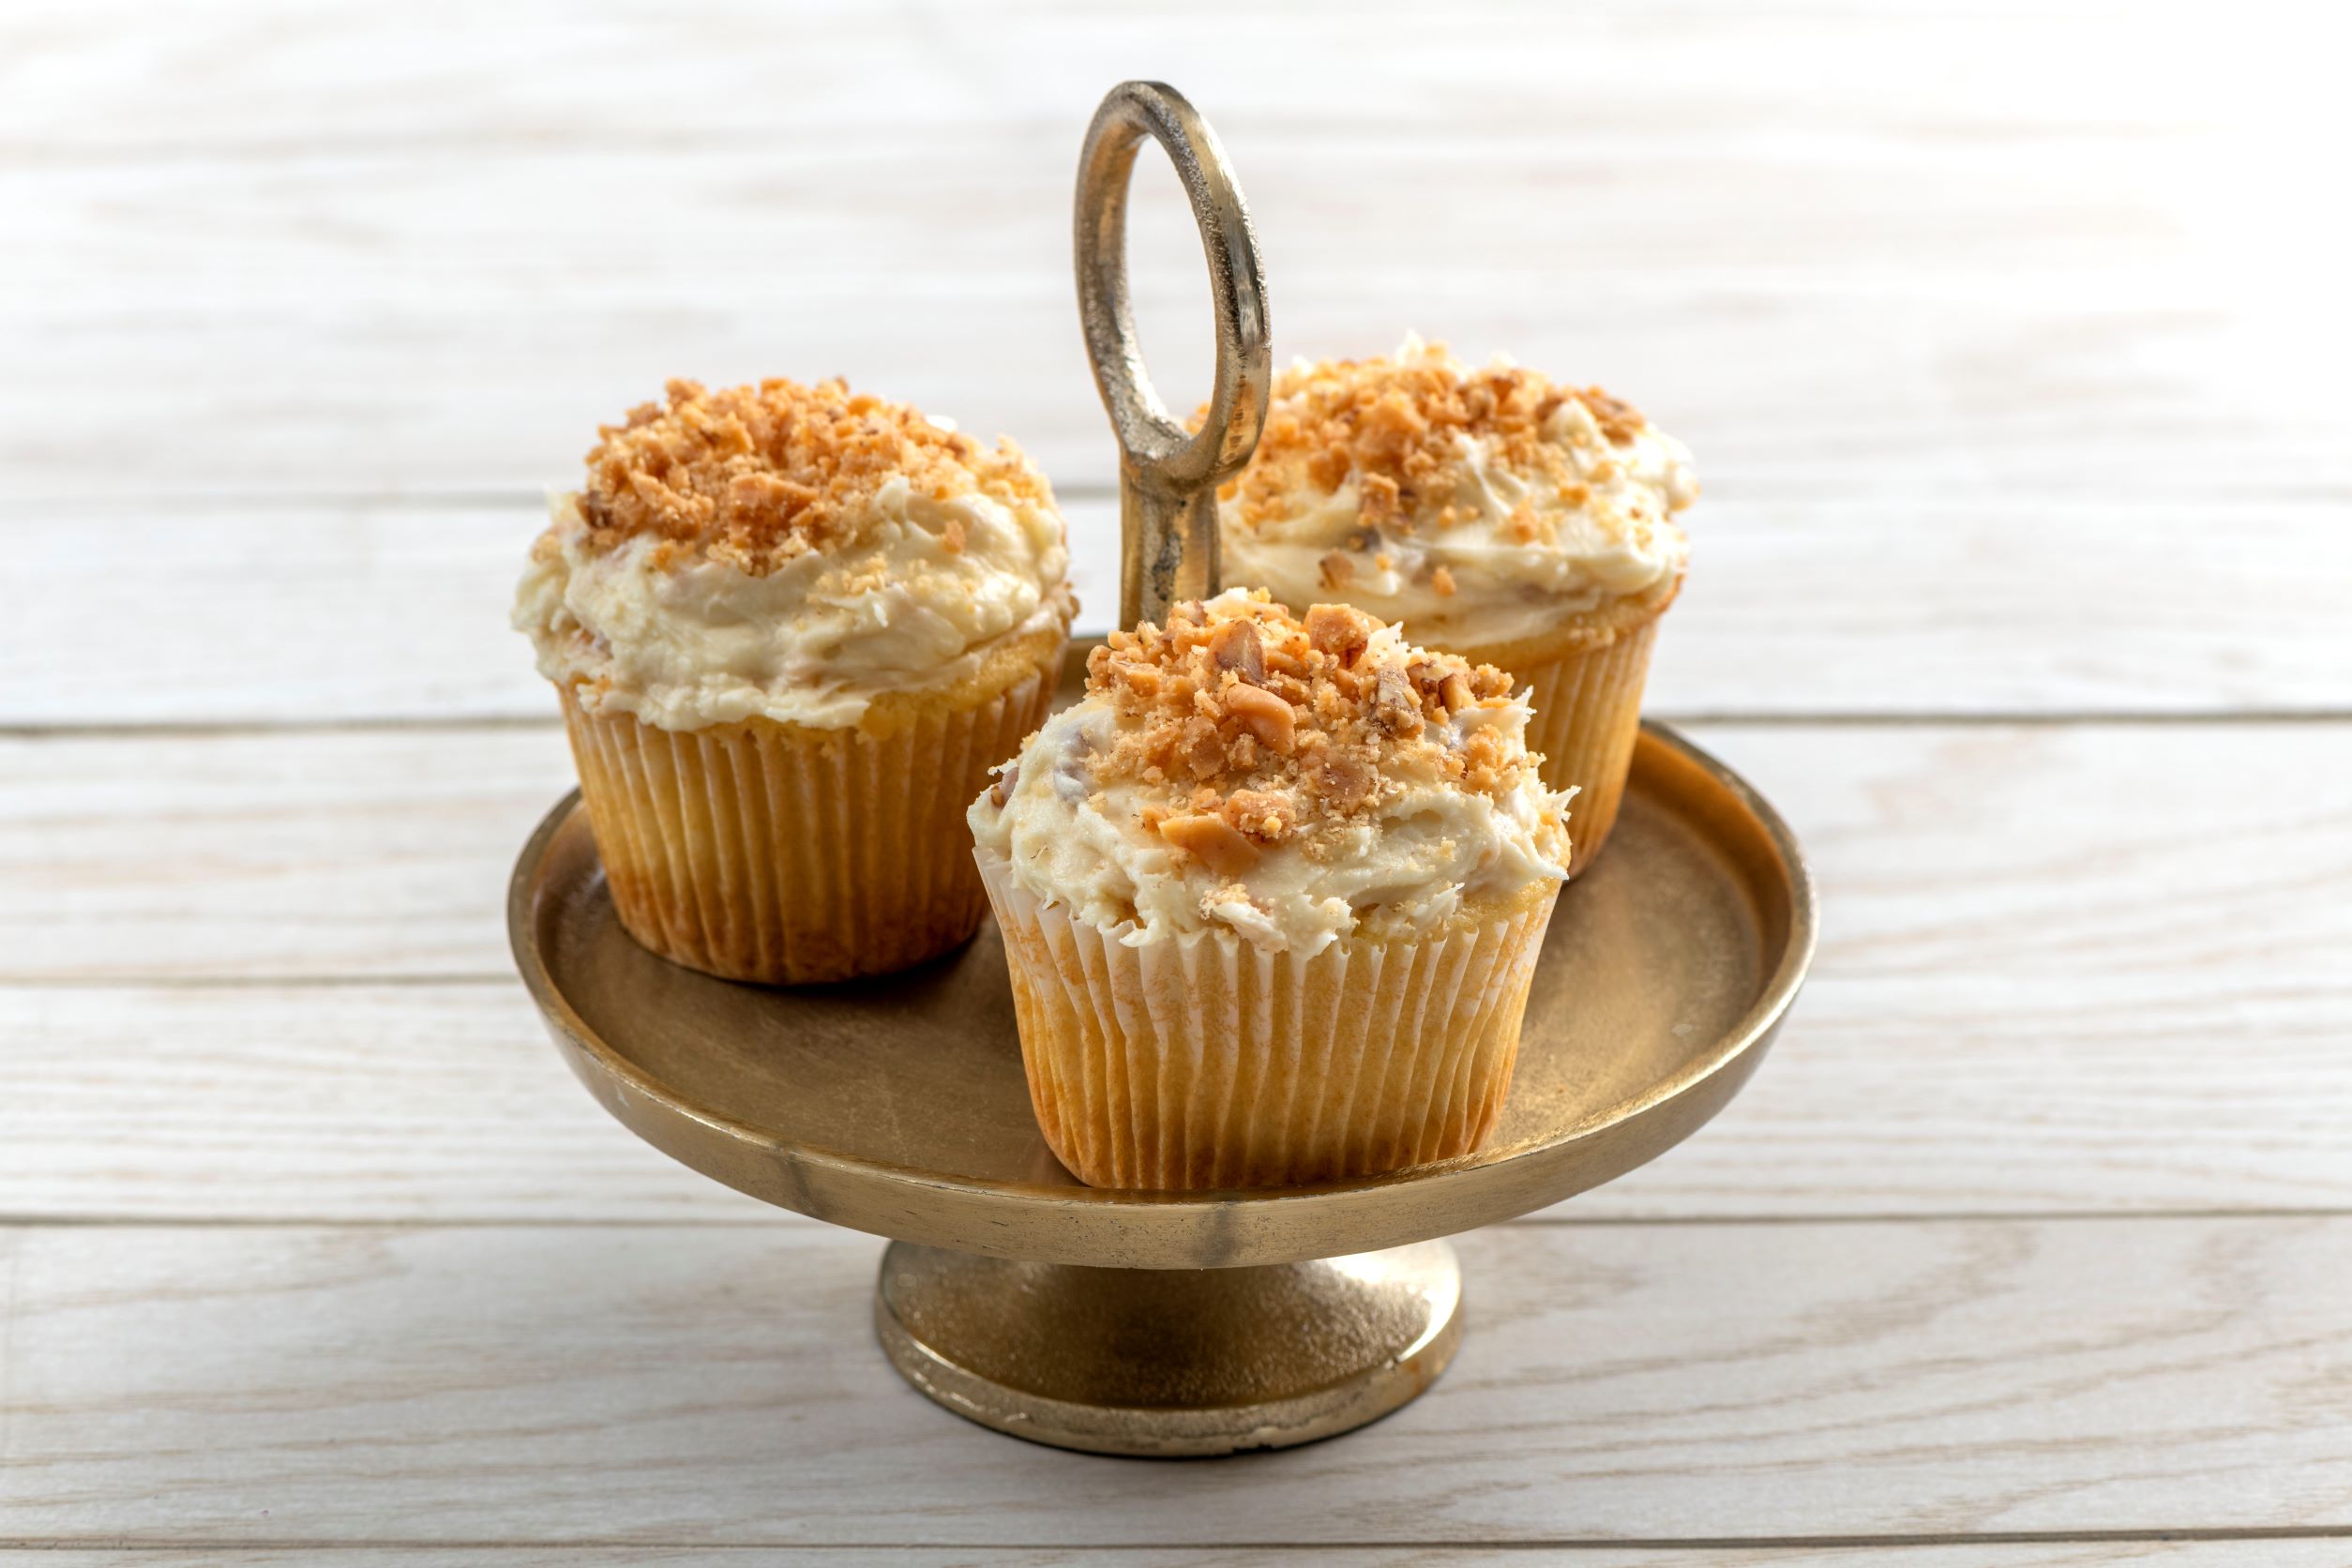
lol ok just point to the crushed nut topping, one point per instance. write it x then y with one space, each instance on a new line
1397 425
1260 728
753 476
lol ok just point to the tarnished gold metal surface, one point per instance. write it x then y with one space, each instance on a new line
898 1106
1169 1363
1168 475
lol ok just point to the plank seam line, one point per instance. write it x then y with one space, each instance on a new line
1945 1216
2299 984
2152 1536
470 979
38 1221
453 499
1784 718
1757 487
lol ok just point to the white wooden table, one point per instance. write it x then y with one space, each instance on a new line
2014 354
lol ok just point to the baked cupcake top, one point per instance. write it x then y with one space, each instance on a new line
1477 506
787 551
1290 780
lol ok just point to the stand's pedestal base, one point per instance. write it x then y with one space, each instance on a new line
1171 1361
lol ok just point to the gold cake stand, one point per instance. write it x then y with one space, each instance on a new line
1176 1323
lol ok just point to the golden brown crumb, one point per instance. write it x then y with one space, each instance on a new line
756 475
1264 727
1397 428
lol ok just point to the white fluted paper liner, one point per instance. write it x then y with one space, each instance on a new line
1204 1061
784 854
1587 719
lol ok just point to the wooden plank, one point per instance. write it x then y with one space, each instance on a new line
1653 144
363 1103
2037 989
716 1386
1841 252
1887 1094
1628 198
1847 391
1988 853
244 82
370 853
2269 1553
209 612
2004 852
1838 393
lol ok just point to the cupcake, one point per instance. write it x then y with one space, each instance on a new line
1272 895
793 628
1496 515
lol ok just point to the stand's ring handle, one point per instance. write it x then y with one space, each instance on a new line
1168 474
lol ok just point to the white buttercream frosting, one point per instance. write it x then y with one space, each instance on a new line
814 642
1476 507
908 586
1080 824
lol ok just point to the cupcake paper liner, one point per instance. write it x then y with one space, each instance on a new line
1205 1062
784 854
1587 715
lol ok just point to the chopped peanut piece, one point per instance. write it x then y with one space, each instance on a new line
1235 647
1346 778
1395 703
1266 717
1260 813
1213 841
1337 631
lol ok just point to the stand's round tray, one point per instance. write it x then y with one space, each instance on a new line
898 1106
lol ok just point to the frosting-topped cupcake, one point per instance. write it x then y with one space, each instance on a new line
791 552
1477 506
793 628
1493 512
1291 781
1272 894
